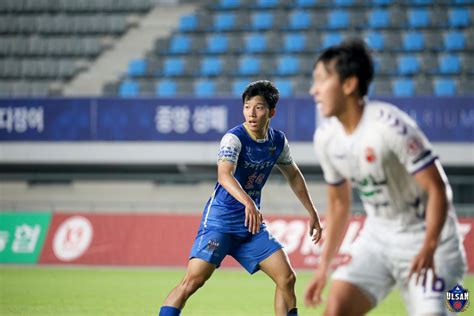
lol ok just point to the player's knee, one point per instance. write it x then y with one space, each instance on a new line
287 281
191 283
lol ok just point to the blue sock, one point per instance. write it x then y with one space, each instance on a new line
293 312
169 311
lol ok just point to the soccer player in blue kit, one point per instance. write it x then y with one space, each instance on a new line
231 223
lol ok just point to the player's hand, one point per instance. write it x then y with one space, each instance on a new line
423 262
315 229
253 218
312 293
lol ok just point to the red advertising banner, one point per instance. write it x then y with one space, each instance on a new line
165 239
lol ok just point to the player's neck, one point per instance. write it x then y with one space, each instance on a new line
258 135
351 117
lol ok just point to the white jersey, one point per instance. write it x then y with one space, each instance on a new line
379 159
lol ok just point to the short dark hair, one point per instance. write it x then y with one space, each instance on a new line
264 88
352 59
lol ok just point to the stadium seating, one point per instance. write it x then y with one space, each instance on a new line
47 43
417 44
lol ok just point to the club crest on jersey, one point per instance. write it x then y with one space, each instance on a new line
370 154
272 150
457 299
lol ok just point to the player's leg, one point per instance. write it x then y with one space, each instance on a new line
198 272
278 268
346 298
253 252
207 253
363 281
428 298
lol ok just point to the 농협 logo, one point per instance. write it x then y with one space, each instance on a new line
457 299
72 238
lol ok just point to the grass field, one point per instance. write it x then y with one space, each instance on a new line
115 291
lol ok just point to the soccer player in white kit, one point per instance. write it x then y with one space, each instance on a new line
410 238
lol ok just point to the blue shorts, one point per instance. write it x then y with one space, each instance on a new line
213 246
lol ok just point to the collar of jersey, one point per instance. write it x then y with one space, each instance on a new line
261 140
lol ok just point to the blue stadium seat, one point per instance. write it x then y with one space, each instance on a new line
418 18
224 21
204 88
413 41
338 19
375 40
137 67
331 38
255 43
299 20
408 65
379 18
444 87
266 4
228 4
180 44
217 44
249 65
449 64
173 66
294 42
458 17
284 86
344 2
420 2
287 65
382 2
262 20
211 66
306 3
166 88
129 88
238 86
454 40
403 88
188 23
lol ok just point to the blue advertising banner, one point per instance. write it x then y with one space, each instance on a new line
448 119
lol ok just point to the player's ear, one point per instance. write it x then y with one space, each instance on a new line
349 86
272 112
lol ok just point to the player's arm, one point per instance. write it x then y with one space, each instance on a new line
336 219
431 180
225 177
298 184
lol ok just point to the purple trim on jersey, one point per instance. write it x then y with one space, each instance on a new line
425 165
336 183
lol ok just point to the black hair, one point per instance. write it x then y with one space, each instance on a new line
352 58
264 88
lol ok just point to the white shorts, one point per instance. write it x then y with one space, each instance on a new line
381 260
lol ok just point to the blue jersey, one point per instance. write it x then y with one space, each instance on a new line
254 161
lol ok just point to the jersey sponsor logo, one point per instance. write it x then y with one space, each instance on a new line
457 299
370 154
369 186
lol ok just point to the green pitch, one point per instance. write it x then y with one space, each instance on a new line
107 291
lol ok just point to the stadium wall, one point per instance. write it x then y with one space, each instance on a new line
151 239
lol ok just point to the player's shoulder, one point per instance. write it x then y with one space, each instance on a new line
387 117
276 134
